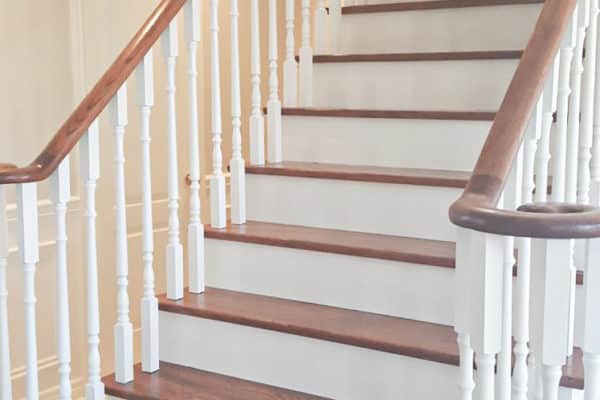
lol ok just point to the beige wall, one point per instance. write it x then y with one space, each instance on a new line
53 59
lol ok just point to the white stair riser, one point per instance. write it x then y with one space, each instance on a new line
304 364
384 142
368 284
425 85
402 210
458 29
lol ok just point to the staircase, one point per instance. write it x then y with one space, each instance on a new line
340 274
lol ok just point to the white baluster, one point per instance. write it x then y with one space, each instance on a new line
486 308
90 171
559 144
550 297
149 302
195 228
290 66
274 146
5 378
591 321
335 23
462 312
123 329
238 168
30 256
306 59
521 330
60 184
587 107
217 181
174 248
511 200
257 120
321 33
550 100
595 153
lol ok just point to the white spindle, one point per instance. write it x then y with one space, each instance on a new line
174 248
290 66
486 258
30 256
550 298
90 172
195 228
550 101
587 107
335 22
274 145
123 329
257 120
149 302
237 164
462 312
591 321
217 181
321 31
5 378
306 59
559 148
511 200
60 184
521 330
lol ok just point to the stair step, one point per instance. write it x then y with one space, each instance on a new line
455 81
389 114
175 382
430 5
385 138
438 26
430 56
404 337
385 247
403 176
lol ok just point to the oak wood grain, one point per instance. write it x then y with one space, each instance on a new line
409 338
405 176
96 101
430 5
175 382
390 114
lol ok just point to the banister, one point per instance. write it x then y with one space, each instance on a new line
96 101
476 209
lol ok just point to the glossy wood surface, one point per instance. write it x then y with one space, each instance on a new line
405 176
430 5
390 114
96 101
175 382
386 247
433 56
476 207
372 331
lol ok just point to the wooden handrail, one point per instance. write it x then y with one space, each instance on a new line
475 209
96 101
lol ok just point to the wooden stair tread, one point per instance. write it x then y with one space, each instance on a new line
431 5
386 247
391 114
409 338
405 176
174 382
422 56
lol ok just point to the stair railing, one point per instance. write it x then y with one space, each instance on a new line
528 156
